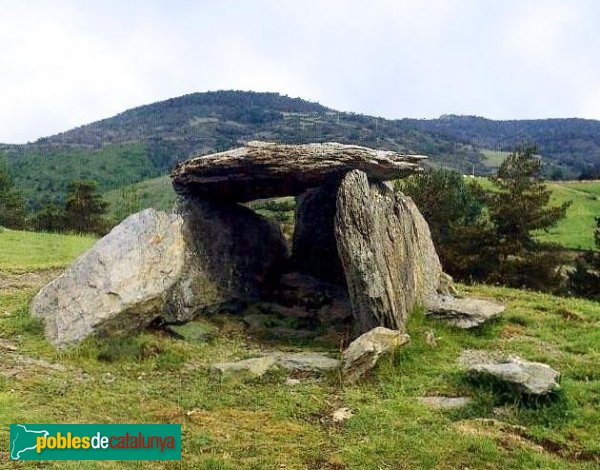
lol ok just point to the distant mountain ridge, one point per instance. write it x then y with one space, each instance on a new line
147 141
572 142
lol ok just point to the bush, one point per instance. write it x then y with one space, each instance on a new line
12 203
584 281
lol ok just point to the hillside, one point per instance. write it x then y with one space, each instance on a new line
569 143
576 231
273 423
147 141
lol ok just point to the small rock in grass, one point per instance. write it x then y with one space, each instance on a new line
462 313
342 414
197 330
253 368
108 378
445 402
363 353
306 362
531 378
7 345
303 362
431 339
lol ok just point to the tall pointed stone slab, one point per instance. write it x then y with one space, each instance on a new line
386 250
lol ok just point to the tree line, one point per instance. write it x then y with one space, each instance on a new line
83 210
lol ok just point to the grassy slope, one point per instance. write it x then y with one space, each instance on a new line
43 176
156 192
494 158
32 251
265 424
576 231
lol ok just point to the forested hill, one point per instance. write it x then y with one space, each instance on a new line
147 141
573 143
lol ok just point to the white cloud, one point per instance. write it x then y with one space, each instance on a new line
66 63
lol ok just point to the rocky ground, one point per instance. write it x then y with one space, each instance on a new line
419 408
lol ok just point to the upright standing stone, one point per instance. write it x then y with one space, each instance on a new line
232 253
386 250
314 248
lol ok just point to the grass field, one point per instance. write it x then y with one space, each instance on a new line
32 251
576 230
267 424
494 158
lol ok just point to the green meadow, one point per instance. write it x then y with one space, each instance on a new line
576 230
22 251
268 424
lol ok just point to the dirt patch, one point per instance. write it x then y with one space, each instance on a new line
508 435
19 366
16 365
26 281
510 331
570 315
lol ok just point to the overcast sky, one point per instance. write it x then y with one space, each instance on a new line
68 63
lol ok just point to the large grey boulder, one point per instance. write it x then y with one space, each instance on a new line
531 378
262 170
161 265
386 250
462 313
362 354
122 282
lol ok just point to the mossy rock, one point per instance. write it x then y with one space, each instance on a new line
197 330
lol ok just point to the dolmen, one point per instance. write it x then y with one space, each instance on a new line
352 229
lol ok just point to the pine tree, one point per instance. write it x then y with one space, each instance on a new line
85 208
12 203
518 206
452 208
50 218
